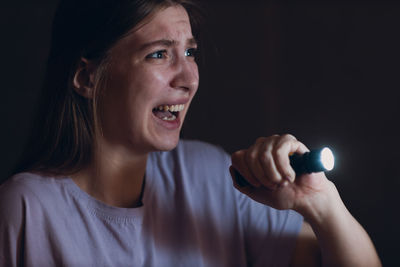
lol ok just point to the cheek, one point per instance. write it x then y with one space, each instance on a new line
155 77
132 97
148 86
133 84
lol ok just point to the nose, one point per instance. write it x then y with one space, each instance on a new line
186 75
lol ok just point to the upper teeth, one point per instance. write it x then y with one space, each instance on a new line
174 108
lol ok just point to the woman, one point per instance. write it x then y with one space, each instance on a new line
106 181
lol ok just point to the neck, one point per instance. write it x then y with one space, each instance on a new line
115 176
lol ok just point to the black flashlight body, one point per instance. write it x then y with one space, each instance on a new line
306 163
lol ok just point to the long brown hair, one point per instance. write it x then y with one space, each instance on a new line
62 140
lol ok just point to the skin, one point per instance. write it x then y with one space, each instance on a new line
151 75
341 239
153 65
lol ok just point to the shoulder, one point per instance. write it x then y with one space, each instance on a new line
25 190
17 186
24 184
15 193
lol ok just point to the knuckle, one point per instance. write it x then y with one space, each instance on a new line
289 137
273 137
266 157
251 155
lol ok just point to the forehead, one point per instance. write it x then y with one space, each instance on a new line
168 23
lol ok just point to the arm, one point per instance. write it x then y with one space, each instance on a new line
341 239
307 252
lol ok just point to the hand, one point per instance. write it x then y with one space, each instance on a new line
266 166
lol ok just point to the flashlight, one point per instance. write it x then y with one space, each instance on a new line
317 160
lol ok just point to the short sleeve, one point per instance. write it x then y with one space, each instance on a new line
270 234
12 210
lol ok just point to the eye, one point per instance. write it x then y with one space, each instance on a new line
157 55
191 52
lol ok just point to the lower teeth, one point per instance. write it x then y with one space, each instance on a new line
173 117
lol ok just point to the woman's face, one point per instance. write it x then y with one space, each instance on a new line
151 72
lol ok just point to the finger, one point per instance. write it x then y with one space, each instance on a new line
267 161
285 146
301 149
252 157
239 163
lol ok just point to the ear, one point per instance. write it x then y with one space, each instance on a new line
84 78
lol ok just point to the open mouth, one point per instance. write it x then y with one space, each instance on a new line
168 112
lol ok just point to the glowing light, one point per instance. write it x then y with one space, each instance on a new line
327 159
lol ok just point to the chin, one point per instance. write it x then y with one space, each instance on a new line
166 144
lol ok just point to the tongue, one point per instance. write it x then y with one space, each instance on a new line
162 114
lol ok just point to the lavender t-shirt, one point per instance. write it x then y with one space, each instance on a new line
191 216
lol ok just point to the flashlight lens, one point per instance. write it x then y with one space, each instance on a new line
327 159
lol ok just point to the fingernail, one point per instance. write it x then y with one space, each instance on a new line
290 178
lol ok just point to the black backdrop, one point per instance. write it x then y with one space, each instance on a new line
324 71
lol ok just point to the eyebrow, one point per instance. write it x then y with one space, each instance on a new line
167 43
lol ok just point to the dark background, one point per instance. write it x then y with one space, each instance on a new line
324 71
